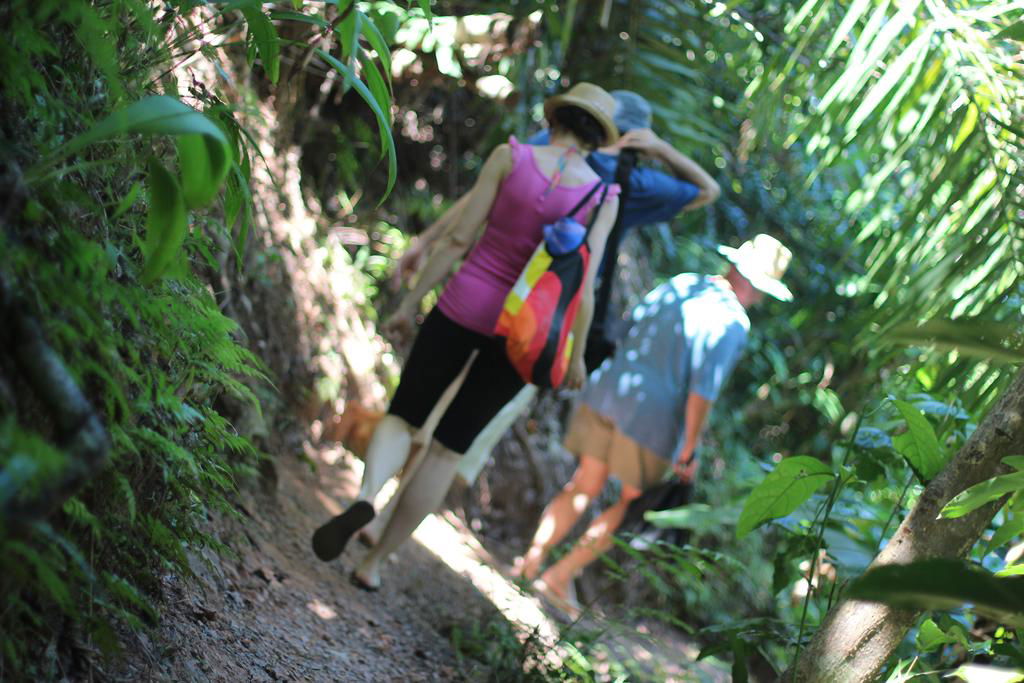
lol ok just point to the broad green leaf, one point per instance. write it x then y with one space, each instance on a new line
828 404
1011 529
155 115
203 163
425 6
697 517
379 45
387 23
941 584
982 673
166 224
918 444
241 203
383 120
1011 32
979 338
264 37
783 491
1012 570
970 120
348 35
931 637
974 497
379 89
1015 461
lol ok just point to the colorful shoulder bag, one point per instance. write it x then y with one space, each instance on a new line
536 321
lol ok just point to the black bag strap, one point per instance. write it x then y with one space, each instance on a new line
623 173
586 198
593 217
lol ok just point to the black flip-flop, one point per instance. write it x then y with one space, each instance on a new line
359 583
329 540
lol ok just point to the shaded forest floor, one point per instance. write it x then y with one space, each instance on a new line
271 611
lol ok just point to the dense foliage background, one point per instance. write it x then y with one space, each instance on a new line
201 200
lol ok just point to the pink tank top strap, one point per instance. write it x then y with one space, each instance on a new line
517 150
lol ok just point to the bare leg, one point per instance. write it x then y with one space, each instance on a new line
423 494
596 540
562 513
371 533
385 455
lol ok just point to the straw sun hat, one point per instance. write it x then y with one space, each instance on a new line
763 261
591 98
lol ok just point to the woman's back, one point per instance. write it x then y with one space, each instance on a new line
526 201
548 159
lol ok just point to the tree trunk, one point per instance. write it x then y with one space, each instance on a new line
857 638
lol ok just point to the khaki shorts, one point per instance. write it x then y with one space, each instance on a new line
596 436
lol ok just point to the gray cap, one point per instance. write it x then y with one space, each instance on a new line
631 110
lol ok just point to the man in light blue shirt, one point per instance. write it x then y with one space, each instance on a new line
685 338
643 409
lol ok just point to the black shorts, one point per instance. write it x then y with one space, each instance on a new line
438 355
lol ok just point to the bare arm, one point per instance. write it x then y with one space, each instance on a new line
686 168
457 238
421 245
697 410
596 241
683 167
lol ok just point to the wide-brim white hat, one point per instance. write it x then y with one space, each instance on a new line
763 261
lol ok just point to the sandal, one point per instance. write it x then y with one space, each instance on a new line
330 539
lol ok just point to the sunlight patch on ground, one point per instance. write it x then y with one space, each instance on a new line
321 610
460 552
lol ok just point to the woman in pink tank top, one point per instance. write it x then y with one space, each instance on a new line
520 189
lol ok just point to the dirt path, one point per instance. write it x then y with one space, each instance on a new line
274 612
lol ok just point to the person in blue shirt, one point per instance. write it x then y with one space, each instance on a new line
643 410
648 196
